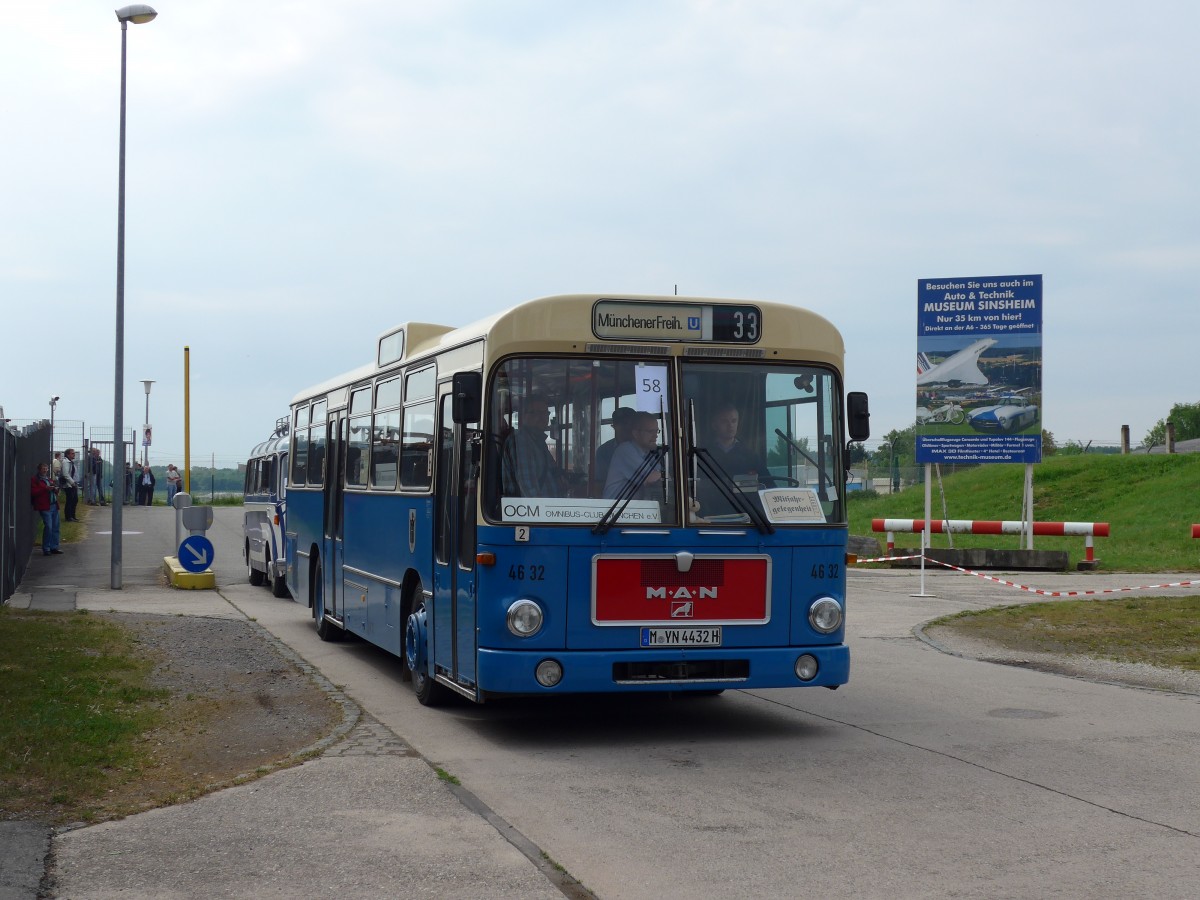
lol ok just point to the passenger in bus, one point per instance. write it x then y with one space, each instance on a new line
528 468
629 457
622 424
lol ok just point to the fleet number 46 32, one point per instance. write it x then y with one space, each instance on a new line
527 573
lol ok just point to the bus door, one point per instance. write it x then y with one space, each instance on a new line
334 511
453 641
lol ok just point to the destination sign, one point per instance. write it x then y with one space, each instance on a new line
637 320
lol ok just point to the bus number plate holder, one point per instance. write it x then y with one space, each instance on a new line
681 637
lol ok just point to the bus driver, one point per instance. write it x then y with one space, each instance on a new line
737 461
528 468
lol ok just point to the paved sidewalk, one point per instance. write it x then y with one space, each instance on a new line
367 818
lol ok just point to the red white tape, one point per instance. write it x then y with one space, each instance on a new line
1038 591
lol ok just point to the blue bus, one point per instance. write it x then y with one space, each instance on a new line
584 493
264 511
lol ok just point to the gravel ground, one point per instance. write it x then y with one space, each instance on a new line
238 706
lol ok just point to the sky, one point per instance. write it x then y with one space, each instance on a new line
302 177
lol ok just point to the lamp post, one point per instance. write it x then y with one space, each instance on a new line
139 14
145 444
892 465
53 403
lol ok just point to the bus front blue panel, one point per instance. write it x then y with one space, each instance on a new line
555 569
512 672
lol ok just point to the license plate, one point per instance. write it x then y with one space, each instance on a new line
681 637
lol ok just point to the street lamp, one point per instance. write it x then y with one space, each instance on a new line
892 471
53 403
145 443
139 14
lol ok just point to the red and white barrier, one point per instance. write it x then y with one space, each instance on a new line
978 526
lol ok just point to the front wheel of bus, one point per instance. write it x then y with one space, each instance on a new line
416 653
326 630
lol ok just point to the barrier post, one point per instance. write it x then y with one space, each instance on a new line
1089 558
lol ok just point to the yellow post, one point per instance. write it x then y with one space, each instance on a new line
187 421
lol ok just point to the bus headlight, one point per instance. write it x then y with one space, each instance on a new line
806 667
548 673
825 615
524 618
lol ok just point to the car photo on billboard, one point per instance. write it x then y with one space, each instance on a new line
1008 416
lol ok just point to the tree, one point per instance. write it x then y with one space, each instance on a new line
899 445
1049 447
1186 419
858 454
782 453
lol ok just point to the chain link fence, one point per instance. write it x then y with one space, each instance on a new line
21 450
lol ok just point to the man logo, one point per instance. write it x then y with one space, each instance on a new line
681 593
681 610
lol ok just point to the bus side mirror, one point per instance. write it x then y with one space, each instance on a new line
467 405
858 416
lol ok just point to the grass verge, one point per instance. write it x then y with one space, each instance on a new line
1159 631
1148 500
74 699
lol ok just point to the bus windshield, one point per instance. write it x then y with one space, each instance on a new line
763 440
571 437
571 440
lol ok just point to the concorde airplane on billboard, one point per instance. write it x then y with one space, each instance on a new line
960 368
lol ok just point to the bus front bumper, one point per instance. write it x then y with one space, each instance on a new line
596 671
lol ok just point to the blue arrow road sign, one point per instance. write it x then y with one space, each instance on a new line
196 553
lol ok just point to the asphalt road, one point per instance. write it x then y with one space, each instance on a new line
927 775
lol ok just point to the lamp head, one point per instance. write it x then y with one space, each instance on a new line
138 14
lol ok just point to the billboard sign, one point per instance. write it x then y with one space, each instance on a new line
979 369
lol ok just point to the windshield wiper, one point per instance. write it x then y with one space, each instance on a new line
728 488
652 461
825 479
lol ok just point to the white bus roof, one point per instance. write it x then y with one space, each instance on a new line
563 323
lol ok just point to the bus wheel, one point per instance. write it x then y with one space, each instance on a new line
279 586
416 653
326 630
256 577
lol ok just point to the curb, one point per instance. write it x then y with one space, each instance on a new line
188 581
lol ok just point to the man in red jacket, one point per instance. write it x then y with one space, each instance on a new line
44 496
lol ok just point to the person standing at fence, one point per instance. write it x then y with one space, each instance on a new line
173 482
56 466
129 479
146 487
95 463
70 484
43 493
